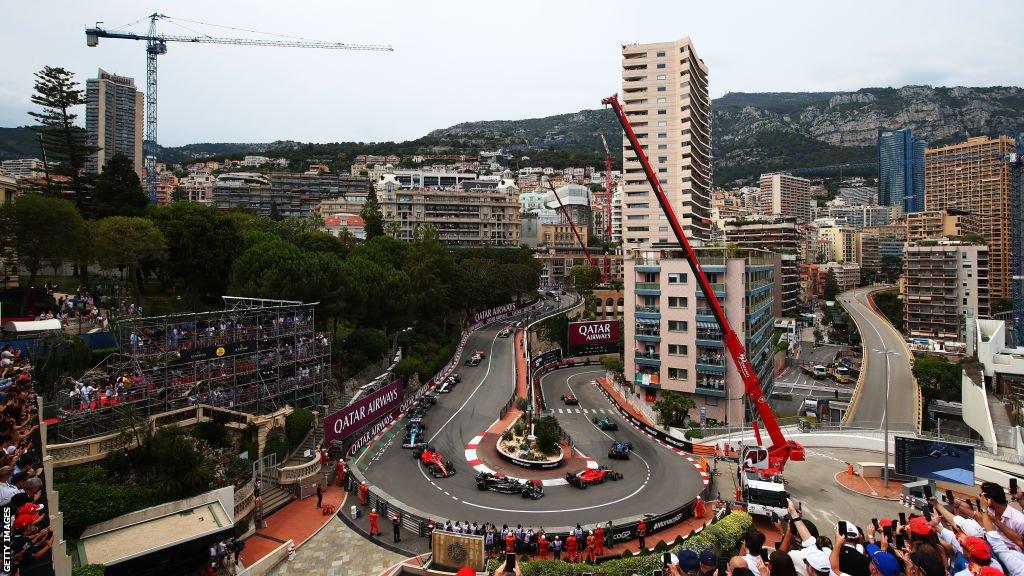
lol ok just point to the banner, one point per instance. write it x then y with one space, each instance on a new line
549 356
344 422
502 311
596 337
208 352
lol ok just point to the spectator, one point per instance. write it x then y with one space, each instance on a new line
1011 518
750 550
709 563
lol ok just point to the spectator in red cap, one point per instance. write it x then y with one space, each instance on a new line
978 554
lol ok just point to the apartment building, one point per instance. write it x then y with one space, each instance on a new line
783 194
847 274
901 170
665 97
946 284
781 235
939 224
558 262
974 176
166 184
859 195
473 214
289 194
859 216
197 186
431 179
617 216
870 251
113 121
672 340
351 203
23 167
844 241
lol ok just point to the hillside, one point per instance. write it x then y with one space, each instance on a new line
752 132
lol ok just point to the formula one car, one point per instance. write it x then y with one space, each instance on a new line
620 450
417 413
428 399
590 476
501 483
447 385
436 464
606 423
570 400
473 361
414 435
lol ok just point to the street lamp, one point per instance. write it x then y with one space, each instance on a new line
885 411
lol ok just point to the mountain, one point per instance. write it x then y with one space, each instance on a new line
752 132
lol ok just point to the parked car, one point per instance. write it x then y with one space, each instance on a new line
605 423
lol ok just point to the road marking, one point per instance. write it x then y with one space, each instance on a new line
490 362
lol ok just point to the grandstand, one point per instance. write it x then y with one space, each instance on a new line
254 357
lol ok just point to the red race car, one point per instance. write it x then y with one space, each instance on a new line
590 476
570 400
436 464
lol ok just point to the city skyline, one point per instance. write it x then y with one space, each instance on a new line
255 94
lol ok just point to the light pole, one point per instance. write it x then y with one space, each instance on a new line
885 411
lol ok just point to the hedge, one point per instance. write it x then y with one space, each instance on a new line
86 504
88 570
297 425
723 537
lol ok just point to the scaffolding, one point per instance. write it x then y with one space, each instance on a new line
254 356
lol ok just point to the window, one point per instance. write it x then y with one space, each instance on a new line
662 134
677 278
662 228
661 76
636 228
662 123
660 66
639 205
965 301
662 112
662 100
677 373
662 181
661 88
662 170
677 326
662 159
677 302
662 146
661 54
636 217
677 350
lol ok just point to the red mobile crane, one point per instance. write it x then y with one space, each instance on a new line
579 239
781 450
608 183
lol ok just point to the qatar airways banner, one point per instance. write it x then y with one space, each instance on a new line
597 337
344 422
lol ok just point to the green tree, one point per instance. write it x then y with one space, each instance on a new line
373 217
128 242
118 191
613 363
831 286
938 379
674 408
584 278
204 243
555 330
891 307
548 433
57 93
44 228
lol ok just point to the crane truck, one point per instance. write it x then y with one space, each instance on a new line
760 468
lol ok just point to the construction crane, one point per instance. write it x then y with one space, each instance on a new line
608 183
156 45
781 450
1015 160
579 239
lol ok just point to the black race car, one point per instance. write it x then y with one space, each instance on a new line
606 423
570 400
501 483
620 450
590 476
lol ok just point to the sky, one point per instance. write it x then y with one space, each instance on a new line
457 61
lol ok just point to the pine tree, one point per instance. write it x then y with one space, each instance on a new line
118 191
58 93
373 218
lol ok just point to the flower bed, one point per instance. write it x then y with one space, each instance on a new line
514 447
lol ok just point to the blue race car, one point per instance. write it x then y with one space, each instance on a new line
415 436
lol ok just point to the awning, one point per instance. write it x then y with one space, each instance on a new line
707 326
648 321
31 326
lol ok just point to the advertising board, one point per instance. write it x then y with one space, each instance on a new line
344 422
594 337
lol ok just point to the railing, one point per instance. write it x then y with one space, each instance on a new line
648 309
244 500
296 473
648 356
647 332
648 286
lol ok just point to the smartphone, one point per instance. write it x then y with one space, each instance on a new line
666 558
800 508
778 545
510 561
977 502
928 491
874 522
927 512
970 504
901 541
887 531
842 528
903 518
1013 486
950 501
764 555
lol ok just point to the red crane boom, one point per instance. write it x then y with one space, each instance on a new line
781 450
579 239
608 183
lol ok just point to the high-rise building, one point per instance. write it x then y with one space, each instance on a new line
665 97
901 170
870 251
974 176
782 236
945 282
845 243
786 195
939 224
673 342
860 216
113 120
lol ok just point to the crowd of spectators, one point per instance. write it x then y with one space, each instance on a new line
24 515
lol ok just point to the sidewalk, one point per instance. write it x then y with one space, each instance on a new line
623 402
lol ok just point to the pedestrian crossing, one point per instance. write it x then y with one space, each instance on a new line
585 410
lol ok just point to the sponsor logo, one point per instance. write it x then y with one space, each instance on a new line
667 522
625 534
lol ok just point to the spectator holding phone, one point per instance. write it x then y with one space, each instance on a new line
1011 560
806 536
750 550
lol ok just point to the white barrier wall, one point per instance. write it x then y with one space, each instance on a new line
976 411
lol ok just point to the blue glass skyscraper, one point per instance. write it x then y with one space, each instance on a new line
900 170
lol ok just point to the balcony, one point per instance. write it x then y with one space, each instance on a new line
705 315
648 359
648 288
648 266
647 334
651 312
712 388
708 340
710 365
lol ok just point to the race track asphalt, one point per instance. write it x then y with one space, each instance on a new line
656 479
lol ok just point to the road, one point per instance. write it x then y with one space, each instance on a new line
656 479
877 335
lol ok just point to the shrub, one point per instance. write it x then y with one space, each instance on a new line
87 504
693 433
213 432
297 425
90 474
276 444
506 435
88 570
522 403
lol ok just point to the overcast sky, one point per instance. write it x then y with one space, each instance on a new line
484 60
